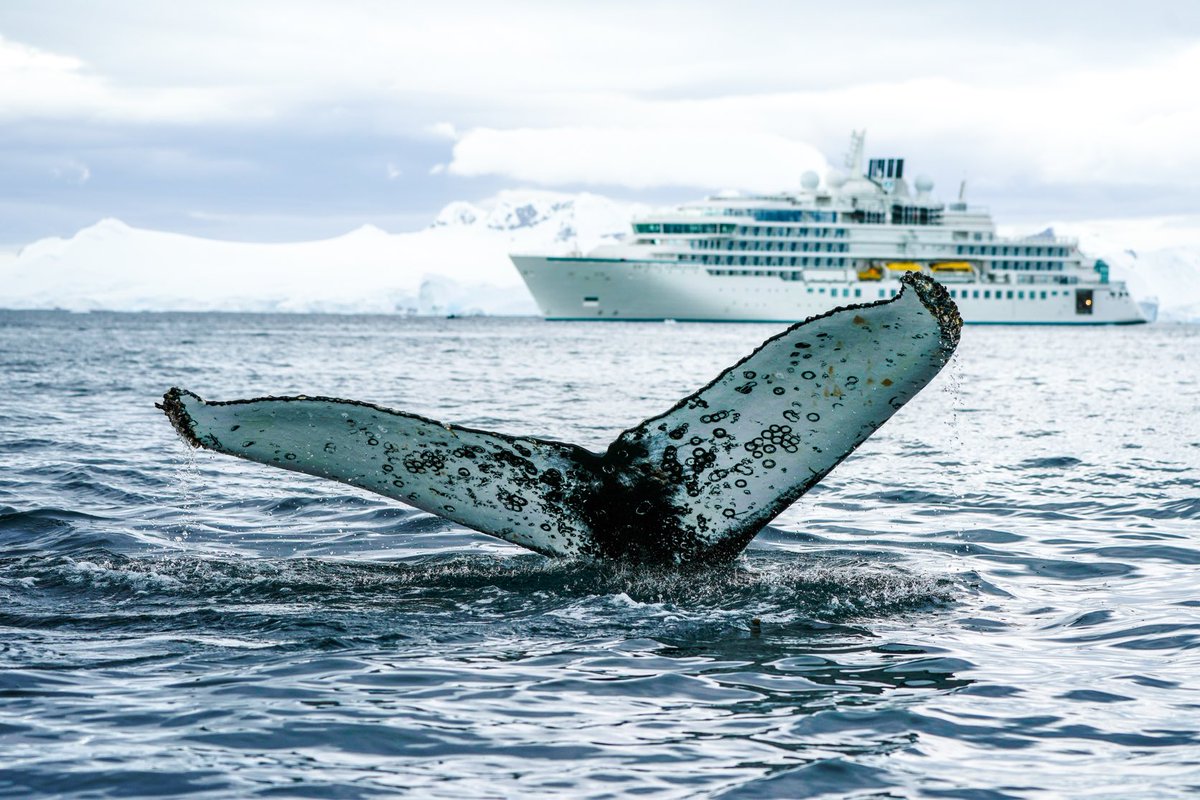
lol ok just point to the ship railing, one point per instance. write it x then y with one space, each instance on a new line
1039 239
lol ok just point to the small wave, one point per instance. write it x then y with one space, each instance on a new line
1186 508
43 531
1050 462
29 443
914 497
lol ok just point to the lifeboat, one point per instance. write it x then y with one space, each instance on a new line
870 274
904 266
951 266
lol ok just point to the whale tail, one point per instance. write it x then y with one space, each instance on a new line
695 483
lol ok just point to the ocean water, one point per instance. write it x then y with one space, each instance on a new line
998 596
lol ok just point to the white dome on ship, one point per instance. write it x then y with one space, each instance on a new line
924 184
810 180
835 179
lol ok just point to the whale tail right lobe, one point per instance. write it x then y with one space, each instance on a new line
726 460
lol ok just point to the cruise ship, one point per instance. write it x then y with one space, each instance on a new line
788 256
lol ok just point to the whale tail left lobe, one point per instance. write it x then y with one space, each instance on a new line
516 488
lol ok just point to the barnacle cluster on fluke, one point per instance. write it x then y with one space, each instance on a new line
692 485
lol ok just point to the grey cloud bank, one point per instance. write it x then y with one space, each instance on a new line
297 121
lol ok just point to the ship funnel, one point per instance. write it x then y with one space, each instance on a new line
885 168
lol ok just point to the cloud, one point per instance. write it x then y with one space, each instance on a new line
74 172
295 103
1127 125
392 171
636 158
443 130
38 84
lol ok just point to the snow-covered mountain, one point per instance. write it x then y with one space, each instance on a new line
459 264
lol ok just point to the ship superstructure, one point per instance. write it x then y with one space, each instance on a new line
788 256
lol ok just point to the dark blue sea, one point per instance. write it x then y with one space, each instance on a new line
997 596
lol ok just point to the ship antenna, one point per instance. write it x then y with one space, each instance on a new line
962 191
855 155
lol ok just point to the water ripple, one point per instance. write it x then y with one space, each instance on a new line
995 597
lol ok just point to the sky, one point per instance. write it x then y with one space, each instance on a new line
279 121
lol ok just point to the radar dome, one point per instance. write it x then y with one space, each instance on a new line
924 183
810 180
835 179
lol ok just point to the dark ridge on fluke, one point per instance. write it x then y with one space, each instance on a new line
692 485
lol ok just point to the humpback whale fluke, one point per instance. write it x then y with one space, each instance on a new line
693 484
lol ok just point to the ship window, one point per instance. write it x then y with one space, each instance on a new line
1043 295
821 290
987 294
810 290
881 292
591 301
858 292
975 294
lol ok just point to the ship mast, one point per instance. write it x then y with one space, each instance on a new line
854 157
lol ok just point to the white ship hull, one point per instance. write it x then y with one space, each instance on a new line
579 288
